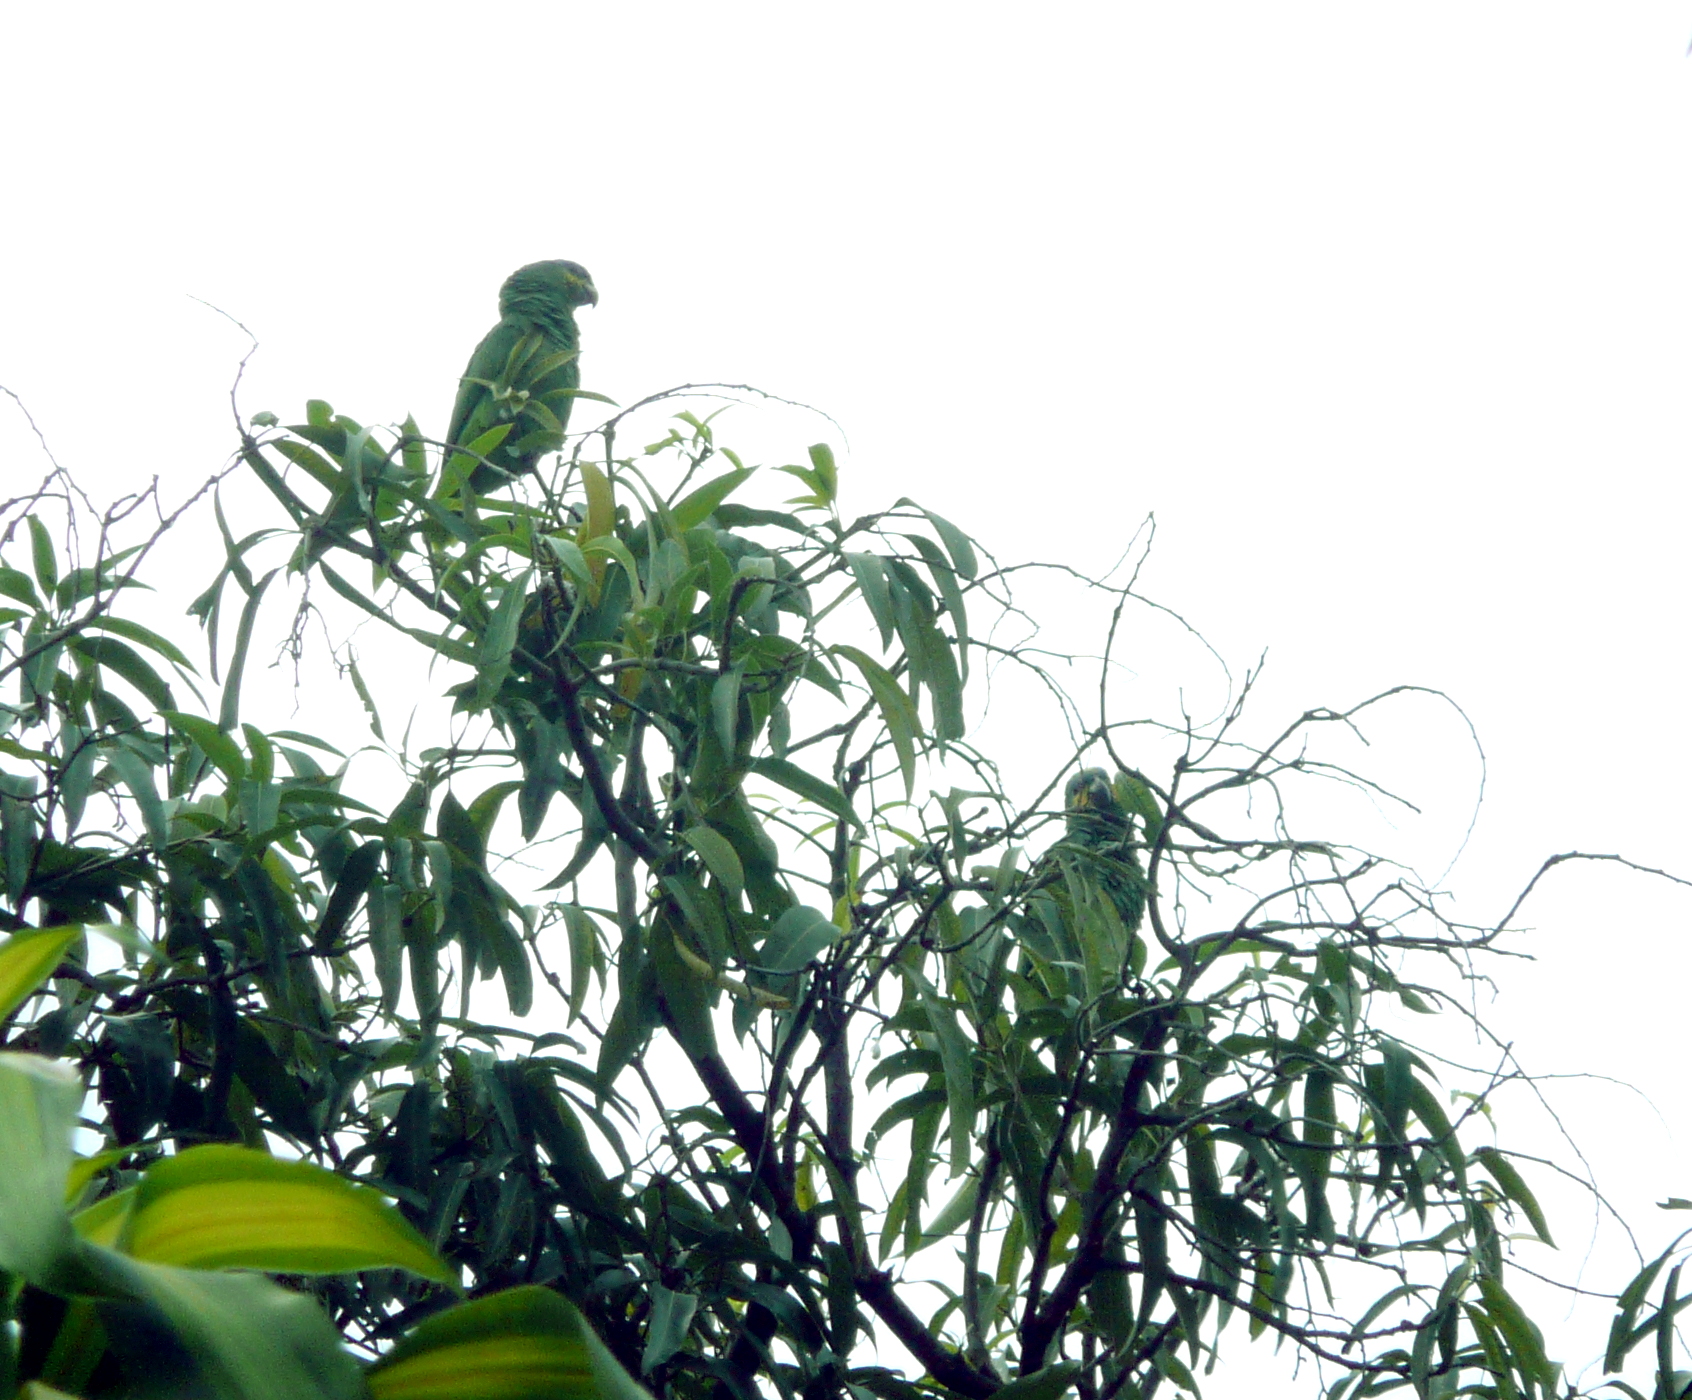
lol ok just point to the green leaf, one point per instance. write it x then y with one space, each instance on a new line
242 1337
16 585
39 1103
1526 1343
575 563
796 938
137 776
357 873
725 706
684 986
386 911
41 551
719 857
872 585
826 473
946 580
263 767
493 655
940 674
610 547
584 942
693 508
221 1207
1509 1180
523 1344
904 725
135 632
814 789
959 1066
222 750
1669 1381
666 1326
229 712
26 960
19 832
123 660
1628 1303
1046 1384
957 543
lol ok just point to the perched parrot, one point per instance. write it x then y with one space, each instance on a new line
1098 823
525 371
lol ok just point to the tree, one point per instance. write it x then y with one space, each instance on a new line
851 1054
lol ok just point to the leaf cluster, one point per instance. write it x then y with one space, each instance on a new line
820 1048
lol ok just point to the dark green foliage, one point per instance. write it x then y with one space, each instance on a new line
816 1041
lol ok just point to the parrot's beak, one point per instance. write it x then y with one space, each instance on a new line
592 295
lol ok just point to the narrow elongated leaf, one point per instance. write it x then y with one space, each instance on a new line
1509 1180
357 873
523 1344
135 632
946 580
26 960
1524 1338
123 660
666 1326
1628 1304
797 937
39 1101
601 504
584 943
904 726
872 584
41 550
807 785
219 1207
1668 1379
493 656
222 750
137 776
719 857
725 706
957 543
959 1070
597 551
1046 1384
230 711
387 942
697 505
15 584
242 1337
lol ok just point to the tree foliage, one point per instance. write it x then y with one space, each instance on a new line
824 1064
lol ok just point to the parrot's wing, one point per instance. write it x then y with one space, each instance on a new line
487 363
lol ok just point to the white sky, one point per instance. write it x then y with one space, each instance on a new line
1386 312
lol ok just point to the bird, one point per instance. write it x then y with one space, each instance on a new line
1096 822
525 372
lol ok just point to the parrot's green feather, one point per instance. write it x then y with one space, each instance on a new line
524 373
1098 823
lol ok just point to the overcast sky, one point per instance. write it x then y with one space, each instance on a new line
1383 311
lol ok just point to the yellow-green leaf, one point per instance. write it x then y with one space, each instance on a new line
27 959
103 1222
220 1207
523 1344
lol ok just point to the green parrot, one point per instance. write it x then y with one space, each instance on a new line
525 372
1096 821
